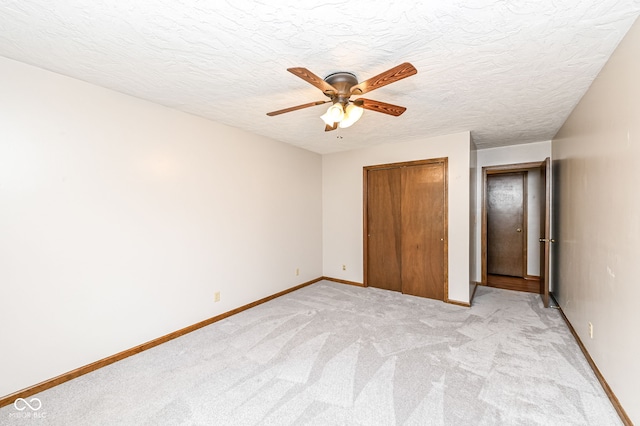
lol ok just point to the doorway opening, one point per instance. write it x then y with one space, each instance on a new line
515 227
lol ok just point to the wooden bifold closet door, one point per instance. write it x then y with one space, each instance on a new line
405 227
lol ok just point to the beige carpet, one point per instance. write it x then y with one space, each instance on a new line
332 354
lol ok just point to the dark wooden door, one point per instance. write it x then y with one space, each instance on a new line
505 224
384 229
405 227
423 230
545 231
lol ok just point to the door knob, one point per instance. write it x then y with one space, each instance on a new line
518 230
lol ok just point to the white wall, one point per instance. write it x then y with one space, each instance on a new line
596 173
514 154
343 205
119 219
474 245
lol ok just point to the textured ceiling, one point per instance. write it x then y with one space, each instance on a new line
509 71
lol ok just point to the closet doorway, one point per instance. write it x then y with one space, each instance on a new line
405 227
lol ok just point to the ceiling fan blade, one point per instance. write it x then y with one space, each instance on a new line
378 106
328 128
391 76
282 111
310 77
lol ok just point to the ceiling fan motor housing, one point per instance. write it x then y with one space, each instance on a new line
343 82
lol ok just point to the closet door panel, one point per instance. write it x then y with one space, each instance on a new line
423 230
384 227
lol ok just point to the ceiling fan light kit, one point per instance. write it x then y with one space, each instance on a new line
352 113
334 114
340 86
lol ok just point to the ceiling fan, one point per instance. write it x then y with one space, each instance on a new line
340 86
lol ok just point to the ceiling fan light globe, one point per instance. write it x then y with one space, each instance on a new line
328 120
351 115
336 112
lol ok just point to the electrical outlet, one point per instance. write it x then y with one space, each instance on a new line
216 296
297 271
344 267
590 330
